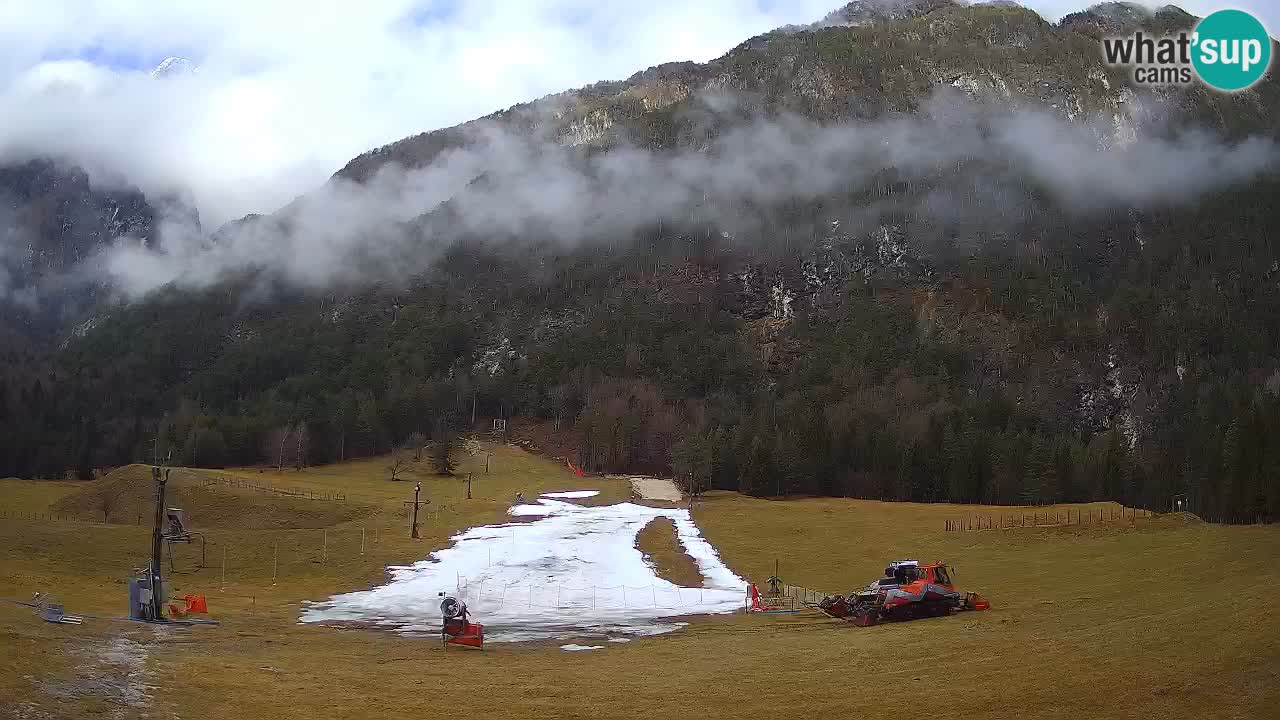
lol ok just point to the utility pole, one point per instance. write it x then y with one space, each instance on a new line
417 488
468 486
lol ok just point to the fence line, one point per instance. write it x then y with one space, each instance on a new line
1045 518
789 597
272 489
803 595
48 517
487 596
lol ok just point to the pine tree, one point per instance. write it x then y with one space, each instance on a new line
367 435
445 442
88 446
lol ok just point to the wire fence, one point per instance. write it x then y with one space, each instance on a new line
48 517
787 597
1044 518
268 488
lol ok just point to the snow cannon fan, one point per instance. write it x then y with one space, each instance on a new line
455 629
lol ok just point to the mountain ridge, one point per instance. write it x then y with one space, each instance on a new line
922 334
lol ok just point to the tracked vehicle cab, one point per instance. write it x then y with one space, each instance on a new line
901 573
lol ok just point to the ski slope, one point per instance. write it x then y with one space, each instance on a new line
572 572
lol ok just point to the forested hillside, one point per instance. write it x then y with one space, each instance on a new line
958 327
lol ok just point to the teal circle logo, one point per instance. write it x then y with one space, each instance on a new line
1231 50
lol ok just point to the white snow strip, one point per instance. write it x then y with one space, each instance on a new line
574 647
524 510
619 640
571 494
574 572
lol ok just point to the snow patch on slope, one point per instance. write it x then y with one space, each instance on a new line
574 572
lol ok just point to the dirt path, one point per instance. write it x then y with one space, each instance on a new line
655 489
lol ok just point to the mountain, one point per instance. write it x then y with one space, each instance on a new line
881 57
870 12
172 66
918 319
54 221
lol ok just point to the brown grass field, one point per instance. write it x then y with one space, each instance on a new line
1165 617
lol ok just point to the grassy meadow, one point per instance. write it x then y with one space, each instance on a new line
1154 617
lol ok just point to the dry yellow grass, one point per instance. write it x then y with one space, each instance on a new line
131 491
1158 618
22 496
662 548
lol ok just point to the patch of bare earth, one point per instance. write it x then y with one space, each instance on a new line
649 488
661 547
111 679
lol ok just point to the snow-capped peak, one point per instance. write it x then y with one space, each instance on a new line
173 66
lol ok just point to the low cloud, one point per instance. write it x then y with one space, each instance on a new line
286 94
956 154
288 91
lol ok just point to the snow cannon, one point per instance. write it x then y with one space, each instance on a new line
455 628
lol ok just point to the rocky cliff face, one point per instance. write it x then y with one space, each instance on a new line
56 218
53 222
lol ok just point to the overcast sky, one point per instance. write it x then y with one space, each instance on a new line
289 90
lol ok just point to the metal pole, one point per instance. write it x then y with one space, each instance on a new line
417 487
361 541
275 561
324 549
468 486
156 540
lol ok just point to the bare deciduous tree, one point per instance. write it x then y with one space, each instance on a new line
416 442
302 438
396 465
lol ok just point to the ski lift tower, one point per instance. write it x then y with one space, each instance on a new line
161 477
146 593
